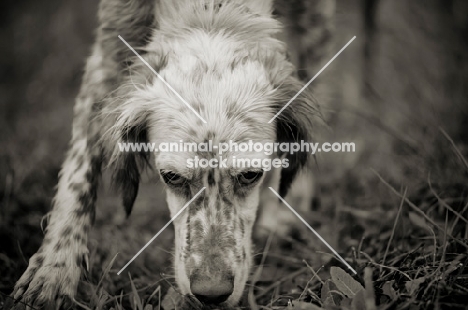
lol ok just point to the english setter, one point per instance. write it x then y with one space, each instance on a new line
226 59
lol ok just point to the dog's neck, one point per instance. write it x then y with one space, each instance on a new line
247 25
249 18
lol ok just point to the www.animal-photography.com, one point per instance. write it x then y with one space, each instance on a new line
234 154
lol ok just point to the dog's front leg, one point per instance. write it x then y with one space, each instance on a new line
54 271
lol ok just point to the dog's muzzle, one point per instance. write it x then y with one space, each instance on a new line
214 288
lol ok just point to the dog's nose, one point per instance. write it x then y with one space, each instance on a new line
211 291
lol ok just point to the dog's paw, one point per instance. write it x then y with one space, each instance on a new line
49 282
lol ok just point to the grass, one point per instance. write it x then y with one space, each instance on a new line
410 253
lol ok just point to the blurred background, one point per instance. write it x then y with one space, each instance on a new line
399 92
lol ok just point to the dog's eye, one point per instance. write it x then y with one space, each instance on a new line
249 177
172 178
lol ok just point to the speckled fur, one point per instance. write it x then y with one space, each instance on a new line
225 59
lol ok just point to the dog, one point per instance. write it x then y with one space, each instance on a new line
226 60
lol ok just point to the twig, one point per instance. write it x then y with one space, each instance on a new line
446 205
313 272
17 301
444 249
455 221
456 150
388 267
394 226
416 209
310 280
289 276
251 298
107 270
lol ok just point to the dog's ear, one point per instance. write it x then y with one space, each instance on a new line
126 114
129 164
297 122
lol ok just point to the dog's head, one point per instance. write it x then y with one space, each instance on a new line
223 60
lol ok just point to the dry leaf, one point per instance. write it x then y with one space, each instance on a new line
413 285
326 288
302 305
344 282
388 290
